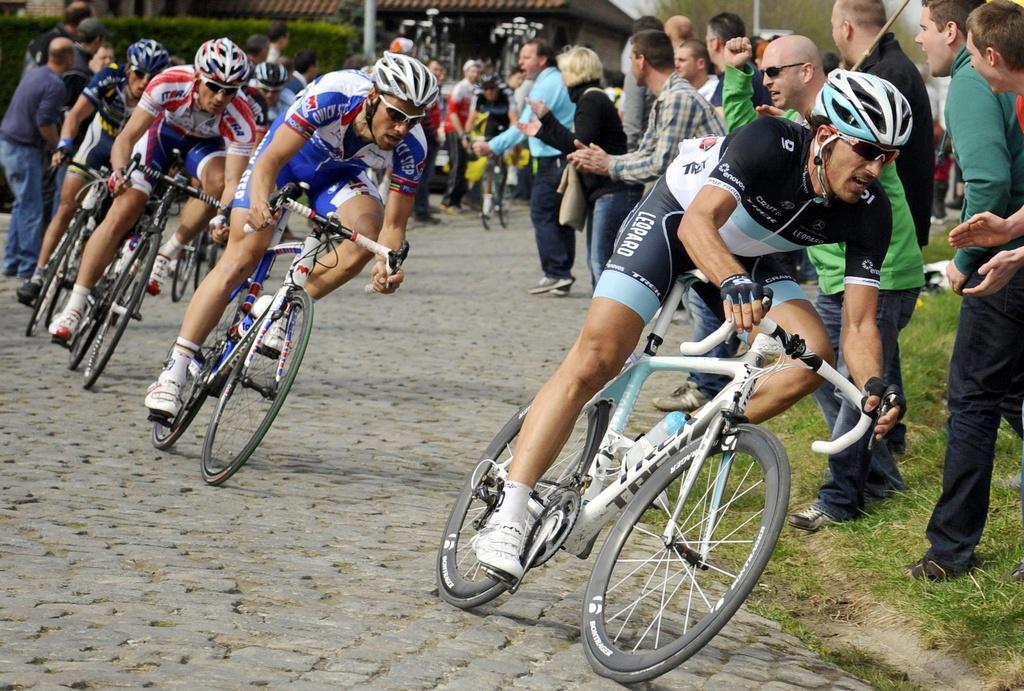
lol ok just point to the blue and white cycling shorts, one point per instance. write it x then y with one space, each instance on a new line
94 151
158 143
648 257
331 183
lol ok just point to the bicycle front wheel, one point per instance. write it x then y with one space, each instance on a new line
255 392
125 301
678 564
460 578
53 277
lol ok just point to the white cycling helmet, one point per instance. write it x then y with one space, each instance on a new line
221 61
865 107
405 78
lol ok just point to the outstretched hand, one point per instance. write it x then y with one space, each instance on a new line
530 129
981 230
997 272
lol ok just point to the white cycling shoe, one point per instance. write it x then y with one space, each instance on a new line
65 326
499 548
162 269
163 398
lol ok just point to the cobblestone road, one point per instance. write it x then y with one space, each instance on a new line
313 567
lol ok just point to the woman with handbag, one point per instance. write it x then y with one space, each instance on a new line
600 202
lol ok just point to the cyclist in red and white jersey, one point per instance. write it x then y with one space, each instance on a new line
197 110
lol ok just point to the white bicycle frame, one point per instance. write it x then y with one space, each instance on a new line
623 391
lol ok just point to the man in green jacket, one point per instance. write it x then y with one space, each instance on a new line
988 355
793 75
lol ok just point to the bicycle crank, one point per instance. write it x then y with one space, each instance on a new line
552 527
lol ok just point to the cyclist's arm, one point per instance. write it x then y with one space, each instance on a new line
396 215
234 166
133 130
860 340
284 145
698 231
79 113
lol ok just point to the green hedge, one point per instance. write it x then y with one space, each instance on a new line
181 35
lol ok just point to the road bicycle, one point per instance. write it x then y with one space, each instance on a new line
121 291
431 38
700 511
62 268
251 380
495 175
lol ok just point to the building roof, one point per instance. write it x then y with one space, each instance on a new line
284 9
597 11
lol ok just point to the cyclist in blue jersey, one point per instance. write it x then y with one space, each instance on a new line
722 206
111 95
344 124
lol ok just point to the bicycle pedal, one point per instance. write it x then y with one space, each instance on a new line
510 582
159 418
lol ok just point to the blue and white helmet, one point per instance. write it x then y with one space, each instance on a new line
865 107
148 55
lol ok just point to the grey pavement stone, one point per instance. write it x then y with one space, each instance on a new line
313 568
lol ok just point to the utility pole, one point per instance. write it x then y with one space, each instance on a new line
370 29
757 17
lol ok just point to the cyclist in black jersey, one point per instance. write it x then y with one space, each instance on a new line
721 207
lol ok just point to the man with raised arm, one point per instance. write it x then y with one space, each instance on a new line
723 204
345 124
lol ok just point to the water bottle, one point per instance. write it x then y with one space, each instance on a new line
669 425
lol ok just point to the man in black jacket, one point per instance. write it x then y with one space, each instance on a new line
36 53
855 24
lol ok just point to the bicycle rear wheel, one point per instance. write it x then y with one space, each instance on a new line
255 392
499 195
461 580
54 276
650 603
99 303
124 303
186 268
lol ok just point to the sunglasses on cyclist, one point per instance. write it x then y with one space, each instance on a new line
398 116
869 151
216 88
141 74
775 70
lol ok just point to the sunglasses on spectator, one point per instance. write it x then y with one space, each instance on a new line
775 70
398 116
216 88
869 151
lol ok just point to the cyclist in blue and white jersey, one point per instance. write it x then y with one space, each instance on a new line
111 95
722 206
343 124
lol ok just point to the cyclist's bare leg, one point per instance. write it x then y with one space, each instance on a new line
196 215
102 246
73 184
610 333
363 214
238 261
790 385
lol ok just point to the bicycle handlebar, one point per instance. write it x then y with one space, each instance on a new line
136 165
284 198
850 392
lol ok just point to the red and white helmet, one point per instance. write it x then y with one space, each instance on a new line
220 61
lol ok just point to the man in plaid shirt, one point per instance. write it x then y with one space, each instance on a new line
679 113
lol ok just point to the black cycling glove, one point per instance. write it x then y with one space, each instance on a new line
891 396
741 290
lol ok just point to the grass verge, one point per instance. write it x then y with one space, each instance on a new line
848 569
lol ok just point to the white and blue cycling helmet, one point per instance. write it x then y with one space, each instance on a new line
149 56
865 107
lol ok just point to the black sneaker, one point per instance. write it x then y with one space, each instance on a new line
427 219
28 291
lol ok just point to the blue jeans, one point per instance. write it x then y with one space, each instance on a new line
421 207
857 471
705 323
23 167
988 352
556 243
603 221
